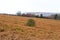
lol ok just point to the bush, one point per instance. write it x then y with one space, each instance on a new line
30 22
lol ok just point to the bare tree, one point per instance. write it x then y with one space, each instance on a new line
19 13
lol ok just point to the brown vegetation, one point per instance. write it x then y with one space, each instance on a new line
14 28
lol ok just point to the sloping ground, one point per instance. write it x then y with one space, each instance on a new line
14 28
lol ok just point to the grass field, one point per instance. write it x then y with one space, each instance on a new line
14 28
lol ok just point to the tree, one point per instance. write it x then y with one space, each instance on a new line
55 16
30 15
19 13
23 14
37 16
58 17
41 15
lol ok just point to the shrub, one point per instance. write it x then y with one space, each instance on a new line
30 22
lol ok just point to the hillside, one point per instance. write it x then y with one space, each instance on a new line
14 28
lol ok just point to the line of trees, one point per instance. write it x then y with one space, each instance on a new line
37 16
29 15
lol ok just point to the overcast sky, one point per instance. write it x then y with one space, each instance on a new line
12 6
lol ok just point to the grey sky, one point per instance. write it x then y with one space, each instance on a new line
12 6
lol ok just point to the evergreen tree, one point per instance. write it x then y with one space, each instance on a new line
41 15
55 16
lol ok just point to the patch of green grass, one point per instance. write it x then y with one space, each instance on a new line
19 29
8 27
16 22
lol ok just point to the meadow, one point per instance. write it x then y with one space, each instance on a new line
14 28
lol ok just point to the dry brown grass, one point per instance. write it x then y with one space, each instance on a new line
15 29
